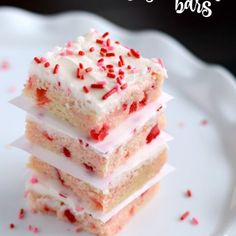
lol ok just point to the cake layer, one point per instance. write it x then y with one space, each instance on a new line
116 138
94 90
94 198
81 154
85 222
147 152
41 184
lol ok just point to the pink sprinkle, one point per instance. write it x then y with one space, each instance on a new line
204 122
5 65
43 59
69 44
149 69
110 48
181 125
62 53
195 221
34 180
78 230
161 62
62 195
35 230
134 70
12 89
69 52
184 216
26 194
79 209
89 69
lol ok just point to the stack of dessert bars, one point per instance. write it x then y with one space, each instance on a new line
95 132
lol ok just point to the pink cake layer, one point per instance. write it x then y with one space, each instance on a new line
48 205
94 91
93 197
81 154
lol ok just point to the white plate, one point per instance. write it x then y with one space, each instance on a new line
204 155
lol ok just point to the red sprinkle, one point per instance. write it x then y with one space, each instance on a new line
135 53
11 226
89 69
81 53
71 218
121 72
101 134
99 85
92 49
81 66
133 107
104 50
124 86
184 216
154 132
37 60
101 60
117 42
108 42
121 60
109 93
66 152
88 167
124 106
118 80
59 177
86 90
56 68
110 54
129 67
79 74
21 214
189 193
195 221
47 64
109 66
99 41
47 136
111 75
105 34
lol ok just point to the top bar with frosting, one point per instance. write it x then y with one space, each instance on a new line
94 83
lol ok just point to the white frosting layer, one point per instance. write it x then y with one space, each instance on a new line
55 190
68 59
116 137
147 152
